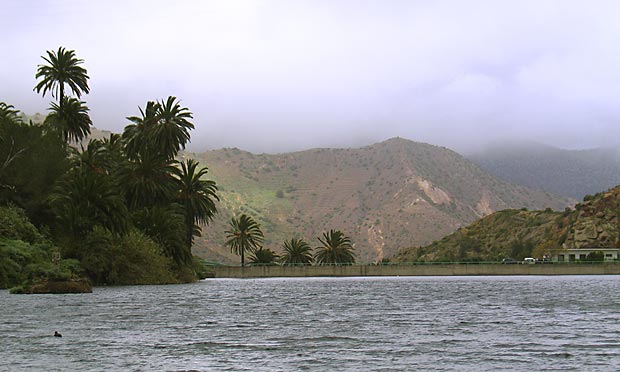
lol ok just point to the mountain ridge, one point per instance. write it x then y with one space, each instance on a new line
385 196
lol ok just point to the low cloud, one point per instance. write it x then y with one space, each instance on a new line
275 76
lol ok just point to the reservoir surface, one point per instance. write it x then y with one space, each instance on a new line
517 323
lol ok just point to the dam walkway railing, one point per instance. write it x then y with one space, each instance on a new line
417 269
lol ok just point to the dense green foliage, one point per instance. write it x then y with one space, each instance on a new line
22 262
130 259
14 224
120 210
26 255
31 160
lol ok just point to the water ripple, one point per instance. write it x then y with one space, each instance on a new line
317 324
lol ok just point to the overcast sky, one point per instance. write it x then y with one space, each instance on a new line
281 75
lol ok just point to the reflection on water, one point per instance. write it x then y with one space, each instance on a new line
321 324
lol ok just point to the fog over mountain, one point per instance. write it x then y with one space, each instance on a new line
572 173
278 75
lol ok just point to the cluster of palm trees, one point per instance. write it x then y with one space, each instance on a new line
128 181
245 235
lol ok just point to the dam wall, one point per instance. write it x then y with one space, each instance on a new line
414 270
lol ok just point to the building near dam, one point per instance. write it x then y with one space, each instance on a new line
581 254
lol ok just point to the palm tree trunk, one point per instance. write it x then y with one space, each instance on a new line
62 94
242 261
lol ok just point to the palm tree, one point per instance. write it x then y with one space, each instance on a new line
244 235
136 135
171 133
70 118
264 257
62 68
148 181
9 119
8 114
336 248
163 127
83 199
296 252
101 155
197 196
165 225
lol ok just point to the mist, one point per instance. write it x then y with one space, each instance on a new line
277 76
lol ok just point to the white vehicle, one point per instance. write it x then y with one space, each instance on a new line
529 261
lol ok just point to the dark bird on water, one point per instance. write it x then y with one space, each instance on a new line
56 334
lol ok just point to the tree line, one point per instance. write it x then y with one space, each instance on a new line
127 190
119 210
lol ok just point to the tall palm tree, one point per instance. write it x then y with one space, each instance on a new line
136 136
244 235
70 118
296 252
171 133
197 196
336 248
162 127
62 68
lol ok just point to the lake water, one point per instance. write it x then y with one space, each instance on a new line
321 324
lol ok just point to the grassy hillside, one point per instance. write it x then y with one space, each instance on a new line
522 233
390 195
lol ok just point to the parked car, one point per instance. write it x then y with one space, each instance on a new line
529 261
509 261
